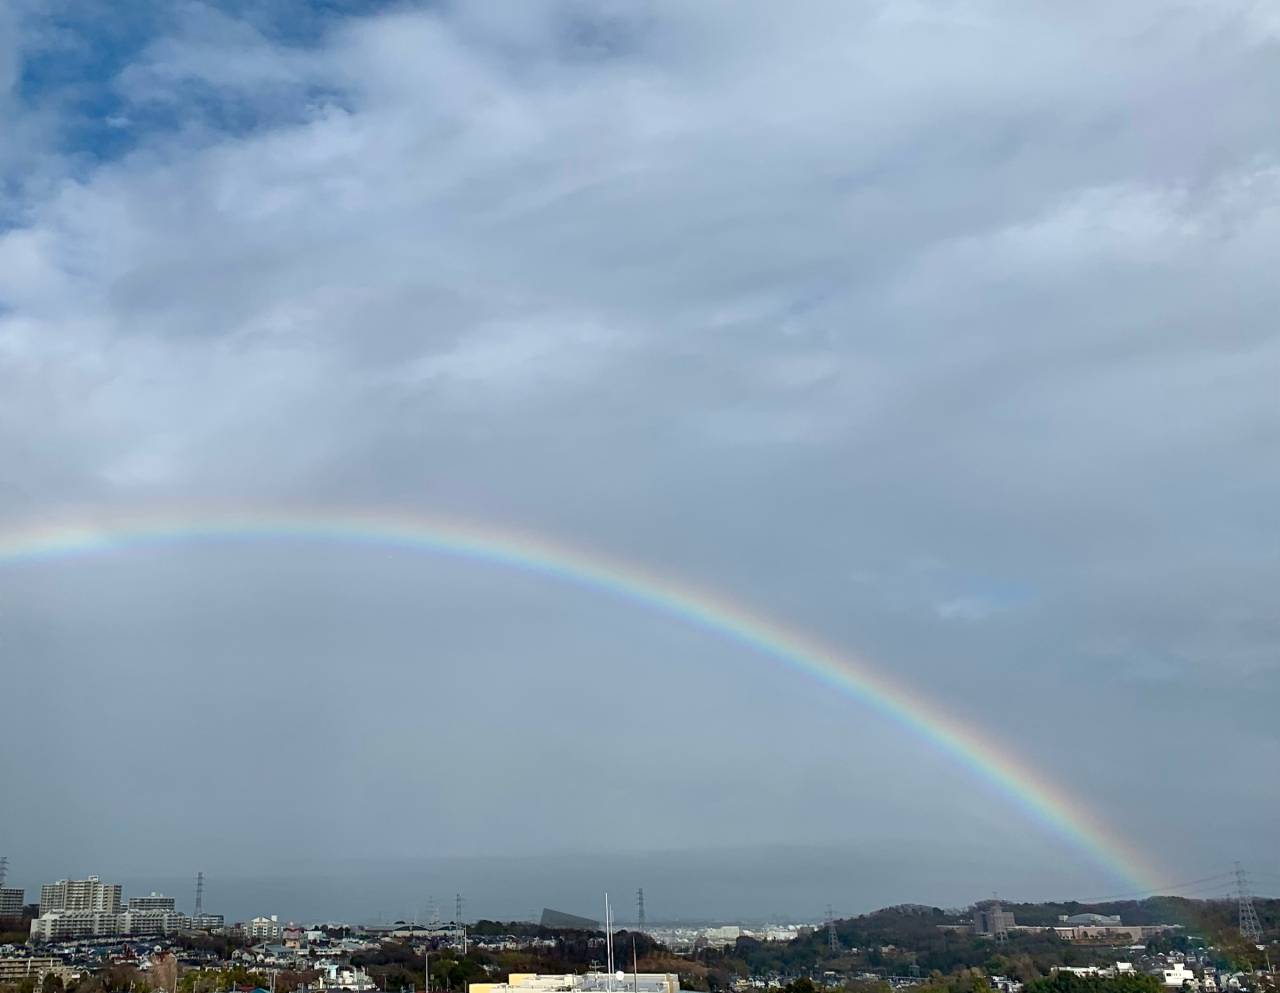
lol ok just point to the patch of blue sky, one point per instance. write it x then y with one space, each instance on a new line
74 54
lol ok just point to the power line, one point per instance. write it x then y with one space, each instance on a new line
1163 890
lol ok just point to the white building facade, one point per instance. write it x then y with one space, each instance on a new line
90 894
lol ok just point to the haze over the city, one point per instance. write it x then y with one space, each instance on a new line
941 333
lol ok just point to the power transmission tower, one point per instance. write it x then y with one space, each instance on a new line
1250 928
833 943
199 894
640 910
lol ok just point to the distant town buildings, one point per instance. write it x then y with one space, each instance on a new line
75 909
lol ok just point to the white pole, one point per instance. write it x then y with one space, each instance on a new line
608 947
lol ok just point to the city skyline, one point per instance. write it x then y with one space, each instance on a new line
724 889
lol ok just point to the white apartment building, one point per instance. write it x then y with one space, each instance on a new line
80 894
264 928
156 901
69 925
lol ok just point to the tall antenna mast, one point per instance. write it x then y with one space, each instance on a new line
608 942
457 909
640 910
833 943
199 894
4 868
1250 928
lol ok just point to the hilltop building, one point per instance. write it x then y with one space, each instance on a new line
990 919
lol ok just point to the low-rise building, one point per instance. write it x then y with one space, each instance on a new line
344 979
1178 976
591 982
15 970
1087 919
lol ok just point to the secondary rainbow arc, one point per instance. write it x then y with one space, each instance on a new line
1031 791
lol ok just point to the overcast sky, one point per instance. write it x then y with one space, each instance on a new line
945 331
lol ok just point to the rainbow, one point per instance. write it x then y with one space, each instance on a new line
701 608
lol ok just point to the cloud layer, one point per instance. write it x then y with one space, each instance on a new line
941 328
